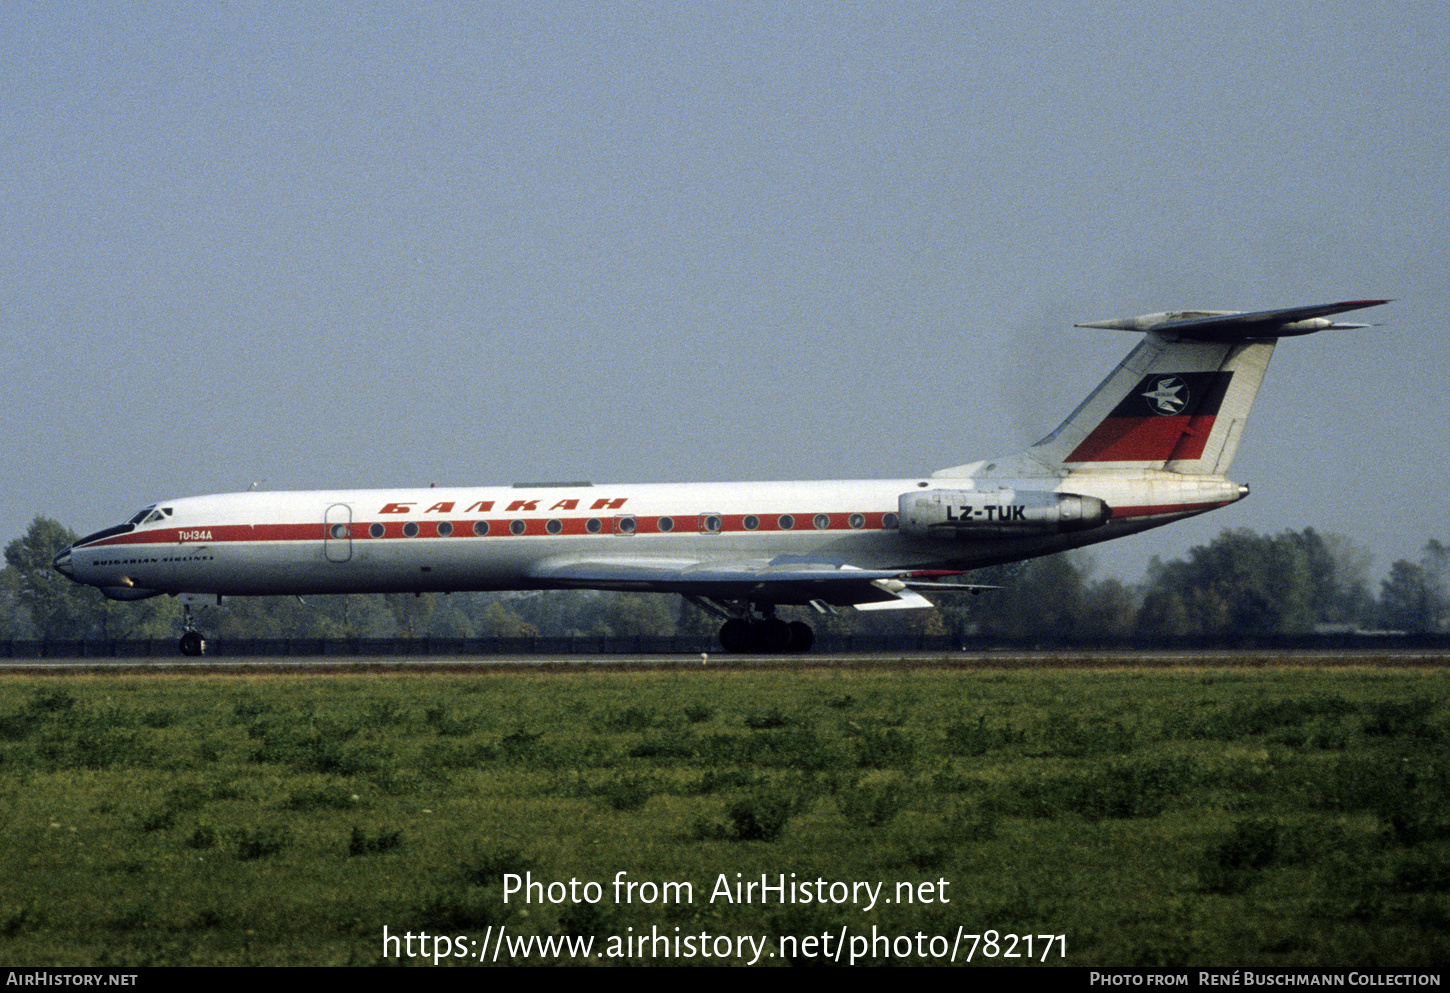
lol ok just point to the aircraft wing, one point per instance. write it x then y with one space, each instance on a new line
782 580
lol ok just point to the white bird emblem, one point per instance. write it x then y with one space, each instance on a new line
1170 396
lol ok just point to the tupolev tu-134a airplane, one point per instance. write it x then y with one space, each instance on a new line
1149 446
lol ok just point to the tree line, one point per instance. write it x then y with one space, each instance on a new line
1240 583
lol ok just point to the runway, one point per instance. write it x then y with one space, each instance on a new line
1066 660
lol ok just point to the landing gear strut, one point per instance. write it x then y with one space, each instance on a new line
747 634
192 642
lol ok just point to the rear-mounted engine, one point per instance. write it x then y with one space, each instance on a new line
998 513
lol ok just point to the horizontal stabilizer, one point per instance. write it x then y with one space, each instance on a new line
1226 326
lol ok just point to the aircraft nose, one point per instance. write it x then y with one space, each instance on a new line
62 563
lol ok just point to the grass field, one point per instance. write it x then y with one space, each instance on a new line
1197 817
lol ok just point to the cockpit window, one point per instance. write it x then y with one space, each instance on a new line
150 515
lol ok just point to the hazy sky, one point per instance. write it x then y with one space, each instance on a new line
360 244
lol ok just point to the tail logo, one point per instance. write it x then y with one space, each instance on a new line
1180 414
1169 396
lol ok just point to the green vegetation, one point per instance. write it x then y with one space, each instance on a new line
1274 816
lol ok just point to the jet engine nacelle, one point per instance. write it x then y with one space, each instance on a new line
998 513
128 593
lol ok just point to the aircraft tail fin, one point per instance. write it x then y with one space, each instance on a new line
1180 399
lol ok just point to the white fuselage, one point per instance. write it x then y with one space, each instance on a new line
526 536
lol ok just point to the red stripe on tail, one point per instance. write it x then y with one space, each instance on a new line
1145 439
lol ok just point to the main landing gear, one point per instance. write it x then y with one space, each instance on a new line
746 633
769 635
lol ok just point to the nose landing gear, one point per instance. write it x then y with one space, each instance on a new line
192 643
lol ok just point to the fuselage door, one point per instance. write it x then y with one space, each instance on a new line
337 533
